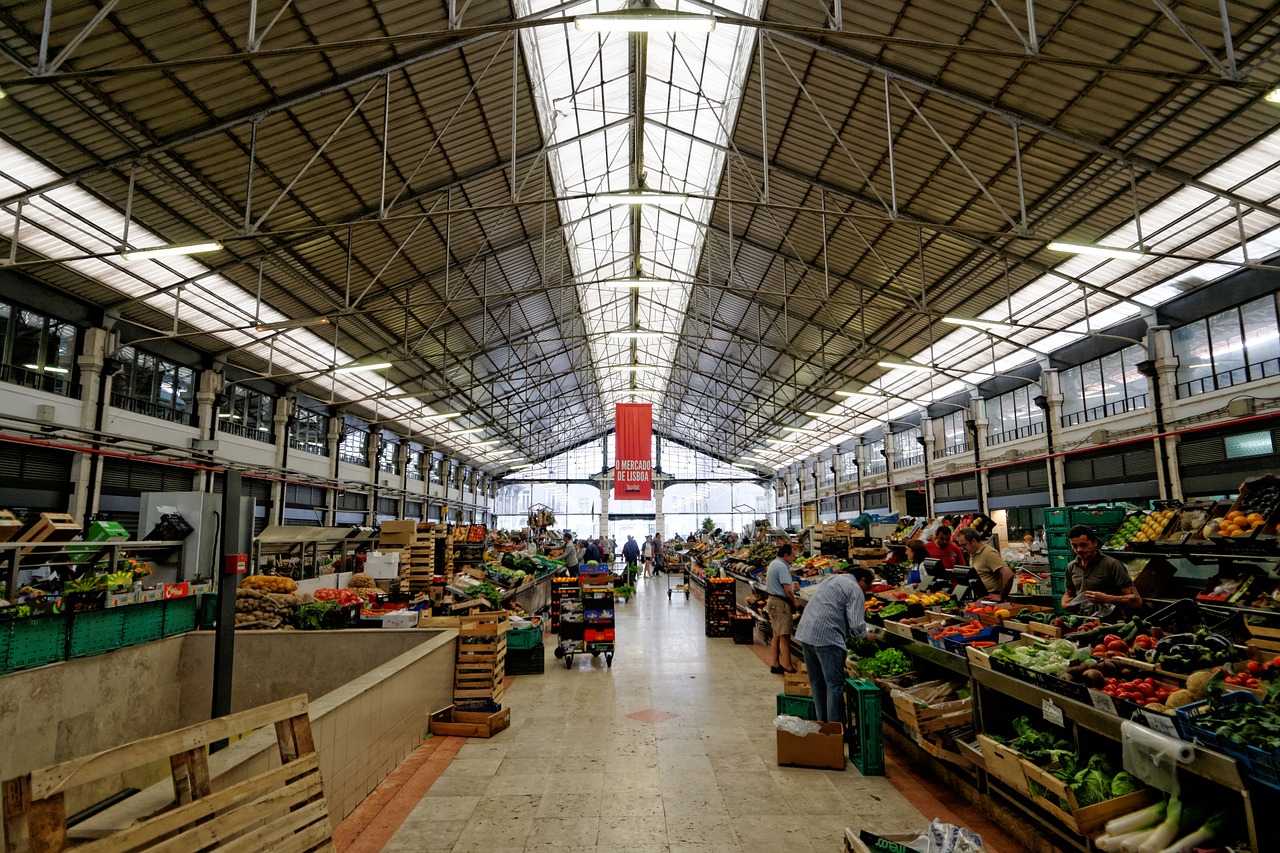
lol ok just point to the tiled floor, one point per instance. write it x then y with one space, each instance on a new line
670 750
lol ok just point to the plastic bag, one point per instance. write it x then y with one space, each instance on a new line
1082 605
795 725
949 838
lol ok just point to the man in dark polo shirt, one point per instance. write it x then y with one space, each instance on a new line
1101 579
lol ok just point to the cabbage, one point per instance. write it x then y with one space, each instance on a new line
1062 648
1091 787
1124 784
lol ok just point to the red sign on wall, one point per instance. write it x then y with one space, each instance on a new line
633 462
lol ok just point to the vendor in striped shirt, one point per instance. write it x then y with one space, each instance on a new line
836 610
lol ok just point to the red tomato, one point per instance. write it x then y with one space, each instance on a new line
1254 667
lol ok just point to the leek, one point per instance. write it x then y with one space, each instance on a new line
1133 821
1202 836
1166 832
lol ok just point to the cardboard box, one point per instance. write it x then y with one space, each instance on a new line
822 749
866 842
401 619
118 599
380 566
398 533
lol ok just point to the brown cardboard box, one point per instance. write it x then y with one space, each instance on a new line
823 749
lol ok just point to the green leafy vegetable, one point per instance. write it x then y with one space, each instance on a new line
1123 784
886 663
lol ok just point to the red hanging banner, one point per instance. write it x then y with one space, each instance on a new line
633 462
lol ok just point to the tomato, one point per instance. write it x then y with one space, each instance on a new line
1112 638
1254 667
1112 681
1117 645
1146 689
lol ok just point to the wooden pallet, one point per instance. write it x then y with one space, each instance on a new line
9 525
282 809
482 650
52 527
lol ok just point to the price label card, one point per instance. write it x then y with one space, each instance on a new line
1103 702
1052 713
1160 723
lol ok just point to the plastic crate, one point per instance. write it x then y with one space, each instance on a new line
142 622
34 641
1057 542
524 638
1259 765
1100 518
744 628
96 631
530 661
208 611
180 615
1057 518
1187 614
1057 586
956 645
796 706
863 729
1058 563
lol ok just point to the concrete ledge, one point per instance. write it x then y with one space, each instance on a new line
362 731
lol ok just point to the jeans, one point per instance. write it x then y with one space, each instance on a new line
826 680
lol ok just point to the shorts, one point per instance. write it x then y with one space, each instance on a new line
779 610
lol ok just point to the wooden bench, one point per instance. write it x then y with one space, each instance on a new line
283 809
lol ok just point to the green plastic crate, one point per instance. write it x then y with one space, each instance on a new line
1100 518
179 615
35 641
864 731
1058 563
524 638
208 610
1057 518
96 631
526 661
797 706
142 622
1057 542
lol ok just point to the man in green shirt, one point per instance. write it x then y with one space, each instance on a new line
990 566
1101 579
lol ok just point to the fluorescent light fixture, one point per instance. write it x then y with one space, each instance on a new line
639 282
2 94
861 395
1272 97
987 325
291 324
359 367
645 21
657 198
441 416
905 365
635 334
803 430
487 443
824 414
1102 251
48 368
164 251
468 431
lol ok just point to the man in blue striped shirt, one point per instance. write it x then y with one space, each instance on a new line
836 610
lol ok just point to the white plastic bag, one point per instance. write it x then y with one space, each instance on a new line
795 725
1082 605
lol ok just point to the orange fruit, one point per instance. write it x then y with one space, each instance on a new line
1255 518
1238 532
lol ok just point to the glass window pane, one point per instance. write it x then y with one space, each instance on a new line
1091 383
1135 384
1113 378
4 334
1261 339
1228 343
28 332
1072 392
1191 345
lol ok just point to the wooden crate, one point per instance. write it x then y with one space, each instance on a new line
796 684
932 718
1084 820
1004 764
279 809
482 649
9 525
451 722
52 527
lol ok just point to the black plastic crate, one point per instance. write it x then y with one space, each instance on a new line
526 661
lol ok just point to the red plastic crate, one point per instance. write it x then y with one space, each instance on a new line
602 636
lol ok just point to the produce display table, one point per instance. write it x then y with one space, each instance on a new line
998 697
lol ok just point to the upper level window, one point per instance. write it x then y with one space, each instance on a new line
388 455
874 454
848 465
1107 386
1014 415
413 463
906 448
354 447
247 413
37 351
955 438
435 473
156 387
309 432
1229 348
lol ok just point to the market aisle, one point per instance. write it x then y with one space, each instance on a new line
672 749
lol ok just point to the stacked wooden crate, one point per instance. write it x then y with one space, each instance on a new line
482 651
427 561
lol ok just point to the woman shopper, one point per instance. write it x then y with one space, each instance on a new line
646 553
917 553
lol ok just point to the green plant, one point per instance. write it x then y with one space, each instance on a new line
708 524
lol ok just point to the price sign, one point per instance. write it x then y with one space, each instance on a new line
1103 702
1052 713
1160 723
